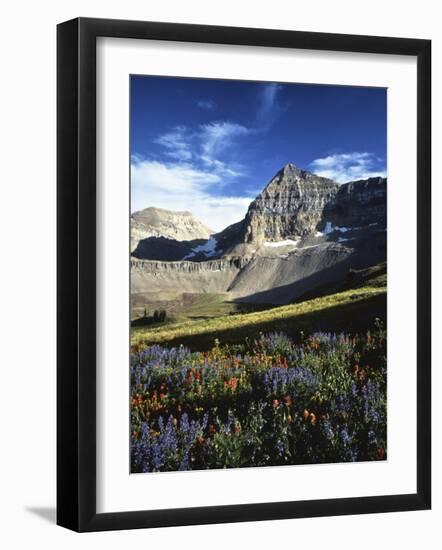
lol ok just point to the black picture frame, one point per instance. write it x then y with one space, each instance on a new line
76 274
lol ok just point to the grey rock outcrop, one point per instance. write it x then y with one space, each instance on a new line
358 203
290 205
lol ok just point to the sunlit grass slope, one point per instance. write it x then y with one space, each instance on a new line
350 310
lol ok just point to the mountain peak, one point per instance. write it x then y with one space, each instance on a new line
293 179
290 205
290 169
159 222
156 210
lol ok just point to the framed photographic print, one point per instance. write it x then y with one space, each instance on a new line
243 274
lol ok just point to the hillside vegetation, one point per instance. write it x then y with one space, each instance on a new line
264 403
351 310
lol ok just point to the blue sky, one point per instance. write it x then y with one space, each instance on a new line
210 146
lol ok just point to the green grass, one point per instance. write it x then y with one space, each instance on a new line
206 306
181 307
350 310
350 306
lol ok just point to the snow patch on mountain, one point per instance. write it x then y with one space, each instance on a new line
277 244
208 248
330 228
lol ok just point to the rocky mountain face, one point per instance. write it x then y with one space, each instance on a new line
358 203
290 205
301 231
161 223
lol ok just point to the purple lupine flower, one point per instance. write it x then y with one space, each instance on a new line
345 438
329 434
372 439
352 455
280 448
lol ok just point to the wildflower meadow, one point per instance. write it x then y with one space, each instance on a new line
266 402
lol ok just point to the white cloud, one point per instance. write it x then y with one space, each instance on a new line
183 187
206 147
348 166
206 104
194 167
268 107
176 144
222 169
216 137
179 178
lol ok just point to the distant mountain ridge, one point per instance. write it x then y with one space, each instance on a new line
161 223
301 231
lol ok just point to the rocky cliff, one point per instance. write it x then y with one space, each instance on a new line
219 264
358 203
291 205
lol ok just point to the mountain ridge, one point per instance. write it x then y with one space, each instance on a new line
300 232
161 223
294 205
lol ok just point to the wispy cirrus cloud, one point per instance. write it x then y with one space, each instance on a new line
207 104
268 106
191 172
206 147
195 166
209 146
184 187
176 144
218 136
344 167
